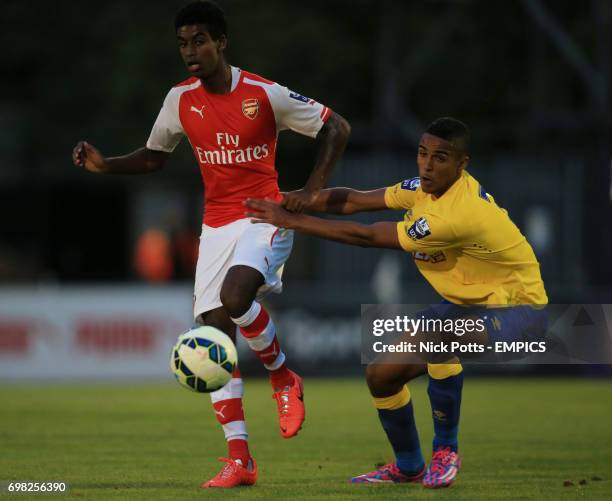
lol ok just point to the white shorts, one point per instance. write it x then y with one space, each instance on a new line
263 247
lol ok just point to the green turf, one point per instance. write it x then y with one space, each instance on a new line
520 439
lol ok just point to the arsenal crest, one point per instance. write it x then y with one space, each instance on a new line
250 108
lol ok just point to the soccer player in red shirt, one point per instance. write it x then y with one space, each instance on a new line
232 119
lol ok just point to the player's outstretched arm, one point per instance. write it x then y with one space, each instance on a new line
141 161
349 201
332 139
382 235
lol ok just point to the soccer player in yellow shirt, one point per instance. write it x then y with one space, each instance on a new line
467 248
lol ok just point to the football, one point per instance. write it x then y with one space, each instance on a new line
203 359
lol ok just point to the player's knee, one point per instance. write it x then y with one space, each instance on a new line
413 371
379 379
235 299
218 319
239 289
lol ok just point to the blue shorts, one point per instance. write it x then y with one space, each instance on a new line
520 323
517 323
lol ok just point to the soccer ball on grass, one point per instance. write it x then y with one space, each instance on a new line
203 359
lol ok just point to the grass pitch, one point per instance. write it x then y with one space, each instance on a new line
520 439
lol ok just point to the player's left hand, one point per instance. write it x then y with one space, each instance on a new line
299 200
268 211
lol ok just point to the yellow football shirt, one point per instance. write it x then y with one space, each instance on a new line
465 245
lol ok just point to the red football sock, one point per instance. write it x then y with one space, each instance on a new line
260 335
239 449
227 404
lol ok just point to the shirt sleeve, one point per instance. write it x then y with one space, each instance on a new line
296 112
167 130
402 195
426 234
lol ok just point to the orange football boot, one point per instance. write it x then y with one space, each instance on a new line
290 403
233 474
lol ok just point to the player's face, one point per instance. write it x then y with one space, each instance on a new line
199 51
440 164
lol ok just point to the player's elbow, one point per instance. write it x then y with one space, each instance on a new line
344 129
337 129
156 160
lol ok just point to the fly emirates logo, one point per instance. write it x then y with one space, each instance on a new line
229 151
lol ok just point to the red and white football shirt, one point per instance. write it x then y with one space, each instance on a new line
234 137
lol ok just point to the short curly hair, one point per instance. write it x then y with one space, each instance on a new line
207 13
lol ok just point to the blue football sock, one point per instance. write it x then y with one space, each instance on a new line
401 431
445 398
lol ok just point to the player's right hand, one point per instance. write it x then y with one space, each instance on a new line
270 212
89 157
